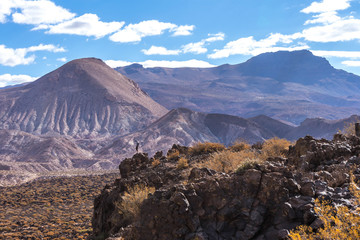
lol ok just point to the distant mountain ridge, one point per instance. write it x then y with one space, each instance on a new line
186 127
83 98
289 86
87 116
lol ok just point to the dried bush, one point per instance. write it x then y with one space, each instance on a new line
206 147
239 146
182 163
275 147
349 128
173 155
132 199
227 161
247 164
339 222
155 162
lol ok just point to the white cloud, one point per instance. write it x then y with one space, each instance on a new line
199 47
155 50
327 6
13 57
324 18
183 30
85 25
215 37
63 59
168 64
135 32
48 47
39 12
117 63
8 79
196 48
340 54
330 26
250 46
351 63
5 9
342 30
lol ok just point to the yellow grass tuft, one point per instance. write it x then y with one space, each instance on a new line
206 147
228 161
275 147
155 162
129 207
173 155
182 163
239 146
349 128
339 222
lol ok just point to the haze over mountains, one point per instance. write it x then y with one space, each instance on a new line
289 86
87 116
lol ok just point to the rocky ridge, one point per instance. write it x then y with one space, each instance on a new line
264 201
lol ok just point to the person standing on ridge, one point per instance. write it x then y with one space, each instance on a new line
137 146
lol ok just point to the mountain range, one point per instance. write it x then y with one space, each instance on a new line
87 116
288 86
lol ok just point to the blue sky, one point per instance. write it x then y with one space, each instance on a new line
39 36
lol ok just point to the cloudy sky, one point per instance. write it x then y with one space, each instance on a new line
39 36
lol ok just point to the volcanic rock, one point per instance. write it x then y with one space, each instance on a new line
262 202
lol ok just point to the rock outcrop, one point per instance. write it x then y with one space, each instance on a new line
262 202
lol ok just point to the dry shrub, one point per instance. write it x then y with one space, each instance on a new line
227 161
182 163
247 164
275 147
155 162
206 147
339 222
173 155
239 146
129 207
349 128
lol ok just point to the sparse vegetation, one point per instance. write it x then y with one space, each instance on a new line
55 208
247 164
206 147
129 207
155 162
241 156
182 163
173 155
239 146
227 161
339 222
349 128
275 147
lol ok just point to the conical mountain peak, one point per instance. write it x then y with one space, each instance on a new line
84 97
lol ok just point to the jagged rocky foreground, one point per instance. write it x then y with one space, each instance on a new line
263 202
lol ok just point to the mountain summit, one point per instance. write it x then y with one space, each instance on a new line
83 98
289 86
